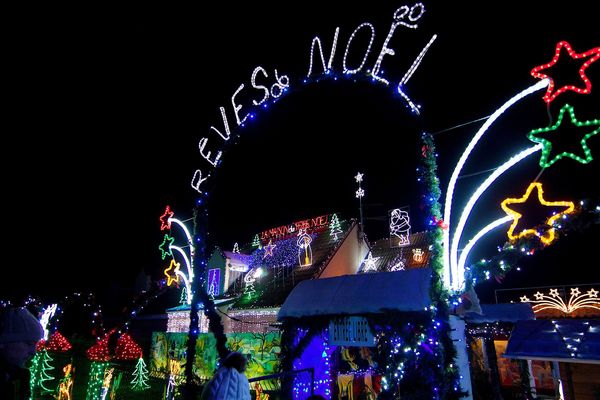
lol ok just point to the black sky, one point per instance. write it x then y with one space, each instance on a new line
108 105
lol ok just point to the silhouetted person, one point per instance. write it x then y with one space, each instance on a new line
229 382
19 333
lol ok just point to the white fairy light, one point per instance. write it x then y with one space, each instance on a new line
201 146
400 226
465 252
281 84
448 278
457 269
353 71
238 107
45 319
254 85
185 258
197 180
398 20
410 73
369 264
186 231
227 133
317 41
577 300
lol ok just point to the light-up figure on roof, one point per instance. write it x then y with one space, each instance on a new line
400 226
304 249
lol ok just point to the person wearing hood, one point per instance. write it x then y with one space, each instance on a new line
229 382
19 333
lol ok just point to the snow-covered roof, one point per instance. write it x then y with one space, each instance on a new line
360 294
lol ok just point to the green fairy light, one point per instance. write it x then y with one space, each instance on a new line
546 161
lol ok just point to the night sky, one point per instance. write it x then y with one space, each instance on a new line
108 106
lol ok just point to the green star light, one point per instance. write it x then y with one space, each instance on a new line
165 246
545 162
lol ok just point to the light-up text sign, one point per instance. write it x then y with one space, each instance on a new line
308 225
267 85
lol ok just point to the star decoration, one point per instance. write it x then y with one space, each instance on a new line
524 299
269 250
575 292
164 219
370 263
546 161
359 177
165 246
554 293
592 293
549 235
538 296
172 273
591 56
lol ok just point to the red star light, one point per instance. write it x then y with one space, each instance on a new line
164 219
591 55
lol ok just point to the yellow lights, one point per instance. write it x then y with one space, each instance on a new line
418 255
549 235
554 301
172 276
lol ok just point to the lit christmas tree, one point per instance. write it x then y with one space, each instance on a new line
183 300
40 366
256 241
334 226
140 376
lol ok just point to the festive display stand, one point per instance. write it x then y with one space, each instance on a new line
363 334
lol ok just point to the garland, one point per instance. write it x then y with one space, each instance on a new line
447 373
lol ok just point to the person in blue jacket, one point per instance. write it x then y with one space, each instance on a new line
229 382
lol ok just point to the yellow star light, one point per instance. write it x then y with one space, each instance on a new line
549 235
174 266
